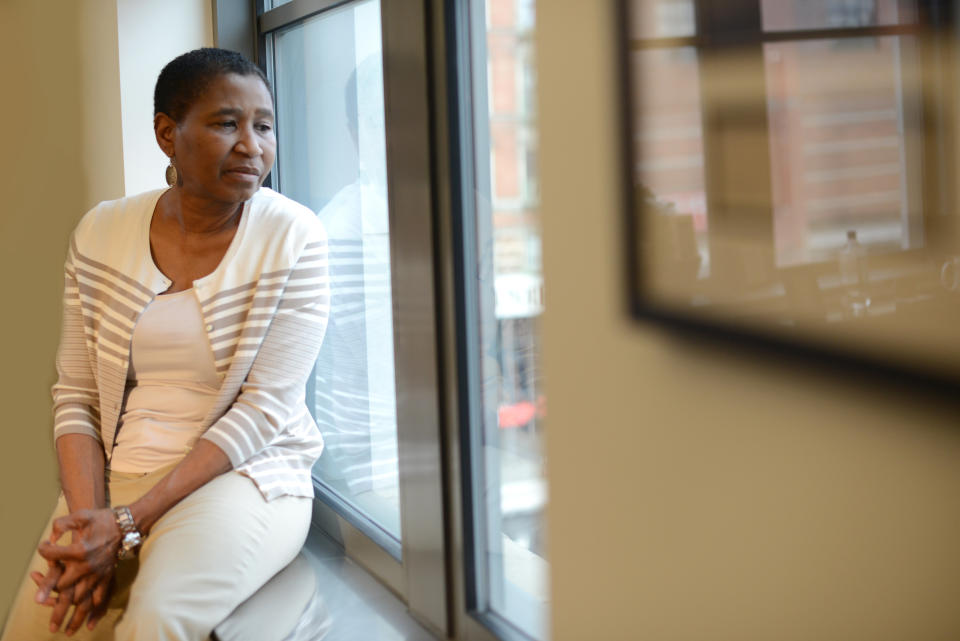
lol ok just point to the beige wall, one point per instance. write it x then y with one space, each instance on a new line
701 492
43 178
63 153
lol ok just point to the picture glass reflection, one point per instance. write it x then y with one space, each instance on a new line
792 169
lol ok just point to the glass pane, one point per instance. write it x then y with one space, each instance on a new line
662 18
508 446
790 15
839 146
668 142
332 157
828 160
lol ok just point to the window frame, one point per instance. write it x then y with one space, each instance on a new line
414 568
425 60
466 227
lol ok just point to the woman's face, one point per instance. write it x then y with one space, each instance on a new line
225 145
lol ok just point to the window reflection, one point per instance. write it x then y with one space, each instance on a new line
669 140
822 142
507 444
839 146
789 15
332 157
663 18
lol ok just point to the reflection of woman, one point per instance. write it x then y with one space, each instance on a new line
355 400
192 318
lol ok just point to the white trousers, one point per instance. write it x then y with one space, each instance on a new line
202 559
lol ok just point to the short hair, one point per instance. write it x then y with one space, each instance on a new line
187 76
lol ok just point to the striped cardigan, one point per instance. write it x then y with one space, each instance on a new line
265 310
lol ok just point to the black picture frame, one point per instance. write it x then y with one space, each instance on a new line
935 19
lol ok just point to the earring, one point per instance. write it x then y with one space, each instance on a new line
173 176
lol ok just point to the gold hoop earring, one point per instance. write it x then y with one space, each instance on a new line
172 175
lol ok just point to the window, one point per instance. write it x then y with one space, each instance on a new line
669 140
791 15
839 145
328 72
375 390
502 298
663 18
822 100
354 144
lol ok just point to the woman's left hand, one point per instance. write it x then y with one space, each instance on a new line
90 608
93 551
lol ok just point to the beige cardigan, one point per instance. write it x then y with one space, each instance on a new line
265 310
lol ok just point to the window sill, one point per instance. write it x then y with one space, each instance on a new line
360 607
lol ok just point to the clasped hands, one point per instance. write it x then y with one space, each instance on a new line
79 574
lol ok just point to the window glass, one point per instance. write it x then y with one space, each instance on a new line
839 146
332 157
825 155
789 15
668 141
507 446
663 18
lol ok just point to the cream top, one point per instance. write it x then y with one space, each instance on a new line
172 383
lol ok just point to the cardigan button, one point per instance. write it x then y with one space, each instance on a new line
210 327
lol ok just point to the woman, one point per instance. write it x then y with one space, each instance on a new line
192 318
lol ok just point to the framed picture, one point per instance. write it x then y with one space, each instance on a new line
791 170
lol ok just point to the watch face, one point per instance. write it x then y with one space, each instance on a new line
128 544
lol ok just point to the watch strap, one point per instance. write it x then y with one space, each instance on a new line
130 537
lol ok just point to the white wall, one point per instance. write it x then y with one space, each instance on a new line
702 492
101 138
150 35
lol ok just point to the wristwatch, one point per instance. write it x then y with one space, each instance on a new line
130 536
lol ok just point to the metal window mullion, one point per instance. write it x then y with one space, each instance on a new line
411 207
452 93
939 124
763 36
293 12
467 297
233 27
912 147
268 62
840 33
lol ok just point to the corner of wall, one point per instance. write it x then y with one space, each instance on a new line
102 140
